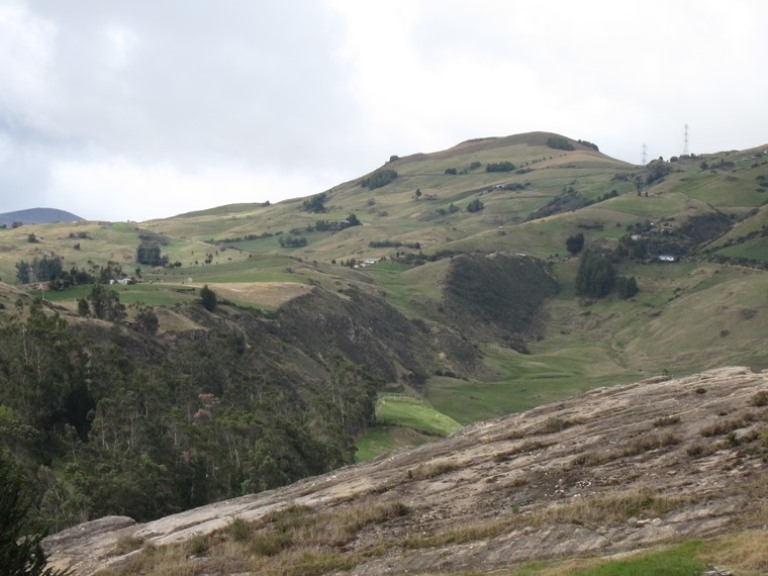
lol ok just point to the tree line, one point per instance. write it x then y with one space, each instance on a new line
104 420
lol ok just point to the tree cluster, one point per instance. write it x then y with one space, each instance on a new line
208 298
379 179
515 186
589 145
575 243
654 171
292 241
102 303
504 166
569 199
112 422
43 269
645 241
149 254
315 204
452 209
328 226
475 205
596 275
21 550
394 244
626 287
559 143
50 270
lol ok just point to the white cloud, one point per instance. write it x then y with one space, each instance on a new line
26 63
619 74
120 45
119 189
100 98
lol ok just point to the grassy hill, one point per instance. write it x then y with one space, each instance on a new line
410 221
530 193
448 279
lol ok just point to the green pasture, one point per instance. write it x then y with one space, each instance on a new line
524 381
148 294
752 249
708 187
414 413
272 268
405 286
385 439
403 421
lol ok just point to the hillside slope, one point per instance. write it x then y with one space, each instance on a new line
614 470
450 277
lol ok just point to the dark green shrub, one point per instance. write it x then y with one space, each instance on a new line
208 298
379 179
589 145
575 243
21 553
148 253
475 205
315 204
626 287
504 166
596 276
288 242
559 143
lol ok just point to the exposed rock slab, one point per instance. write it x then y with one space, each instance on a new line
688 440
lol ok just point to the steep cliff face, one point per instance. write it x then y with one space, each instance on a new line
614 470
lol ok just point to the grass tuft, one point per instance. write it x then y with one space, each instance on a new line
527 446
610 509
590 458
760 399
722 427
650 441
126 544
554 425
433 470
270 543
198 545
240 530
663 421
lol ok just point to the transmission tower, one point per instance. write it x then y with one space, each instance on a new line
645 152
685 142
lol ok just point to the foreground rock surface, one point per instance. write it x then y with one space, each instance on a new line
556 481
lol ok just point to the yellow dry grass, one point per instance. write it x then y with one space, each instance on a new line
746 551
270 294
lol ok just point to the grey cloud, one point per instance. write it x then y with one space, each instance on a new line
243 81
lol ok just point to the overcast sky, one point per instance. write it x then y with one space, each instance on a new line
144 109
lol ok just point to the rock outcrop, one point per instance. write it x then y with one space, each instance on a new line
613 470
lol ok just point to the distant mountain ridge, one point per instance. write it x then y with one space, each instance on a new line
38 216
